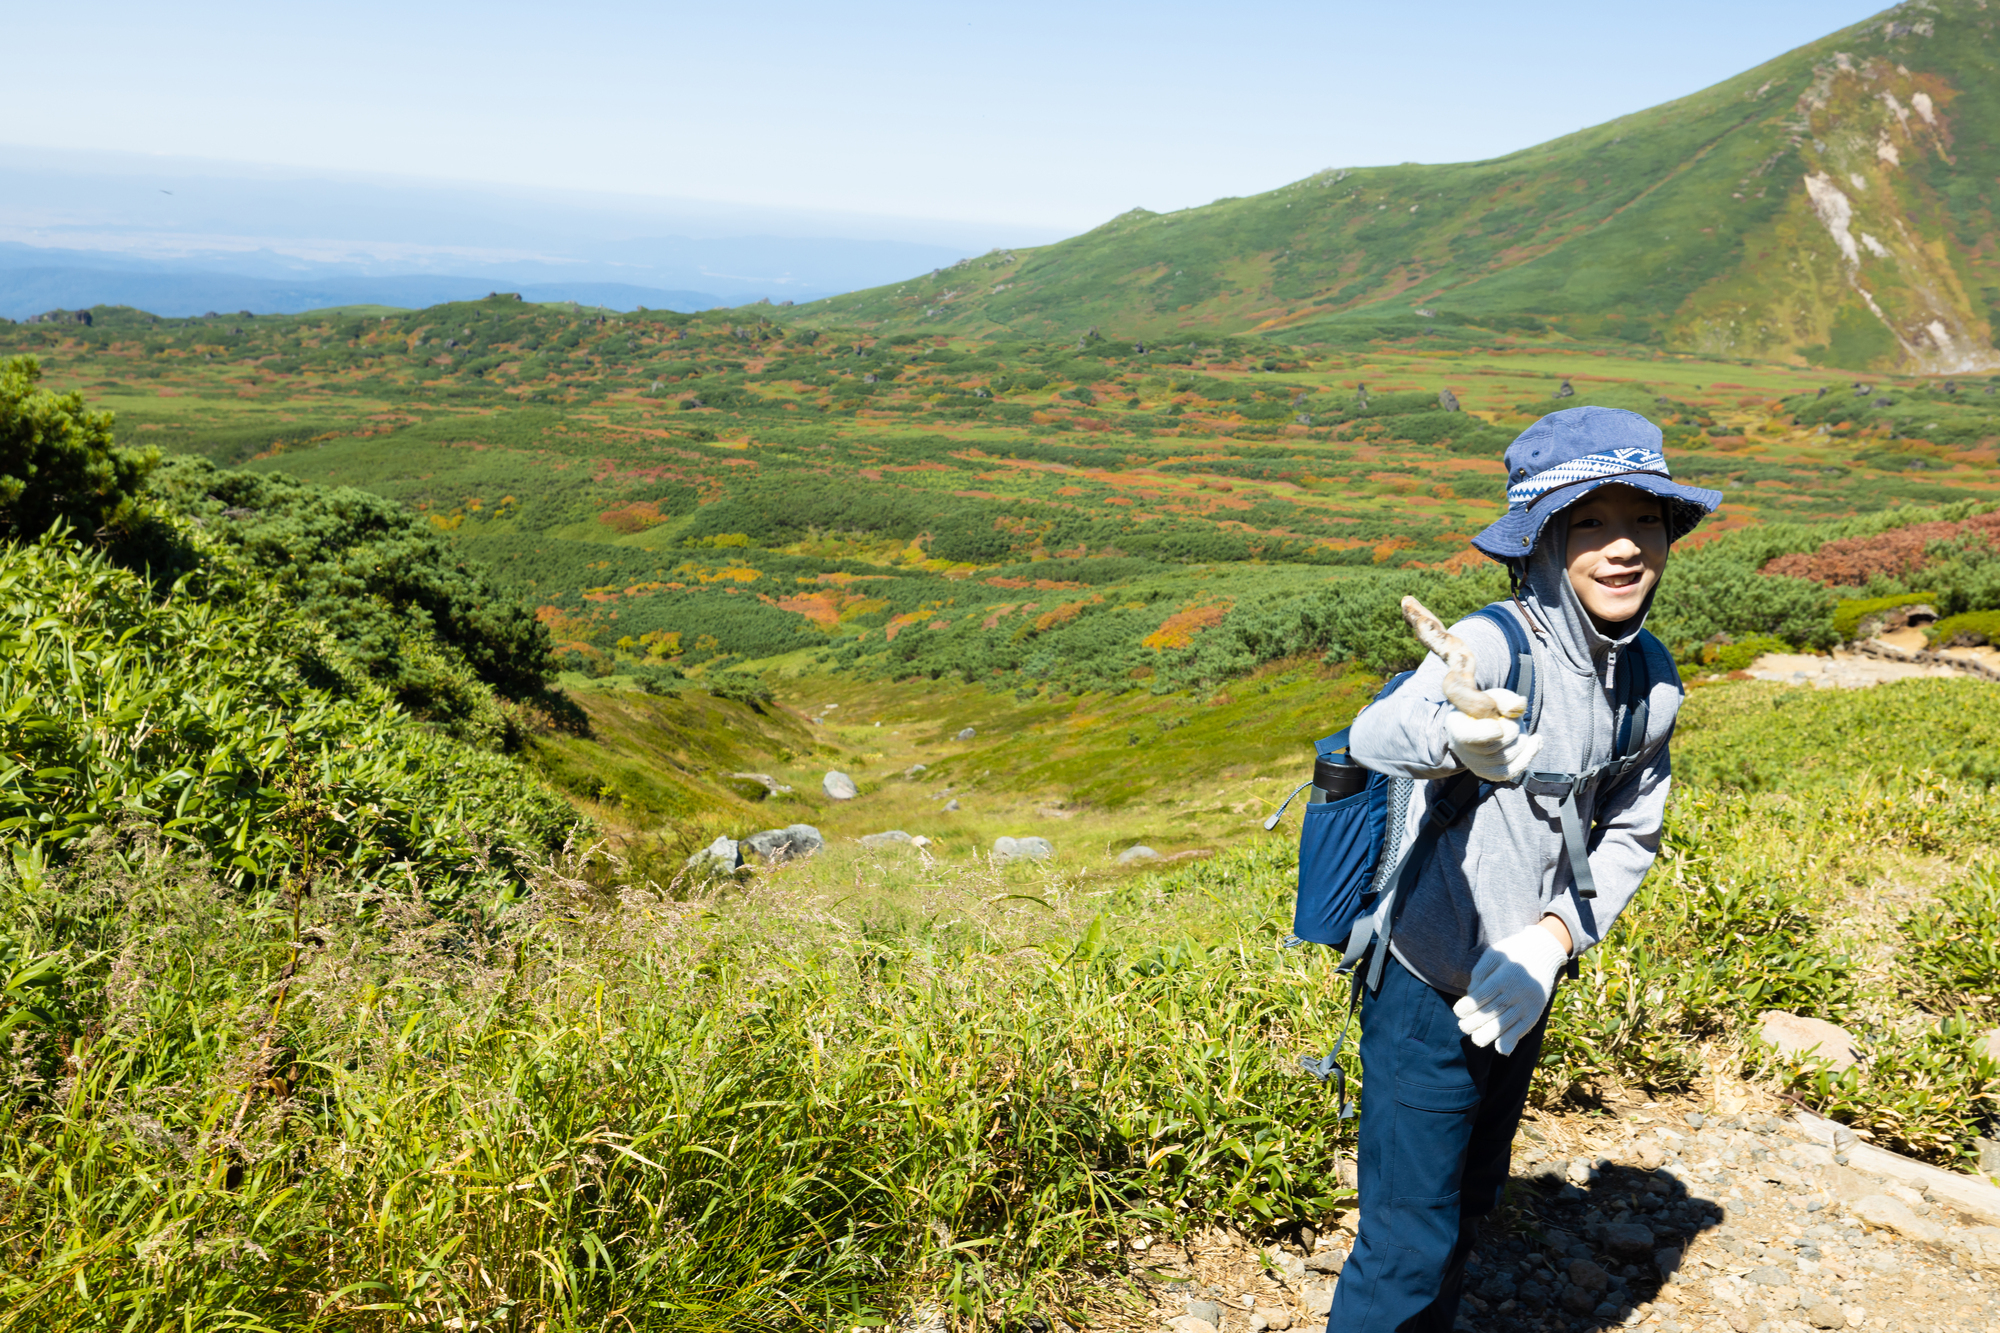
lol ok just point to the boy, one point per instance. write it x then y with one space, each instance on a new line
1497 910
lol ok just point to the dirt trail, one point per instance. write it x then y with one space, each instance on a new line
1723 1215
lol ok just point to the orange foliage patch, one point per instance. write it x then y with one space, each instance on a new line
1852 561
1039 585
1178 630
1387 549
822 608
1068 611
899 623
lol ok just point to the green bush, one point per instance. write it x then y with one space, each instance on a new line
1972 628
1952 952
236 727
1739 655
378 577
1849 613
58 462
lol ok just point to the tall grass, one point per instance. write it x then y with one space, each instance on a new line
617 1110
850 1084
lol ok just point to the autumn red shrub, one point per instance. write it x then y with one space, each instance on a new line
1852 561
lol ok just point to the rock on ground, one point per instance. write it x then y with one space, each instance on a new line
1023 849
784 844
889 839
1796 1035
967 734
839 786
1140 853
724 854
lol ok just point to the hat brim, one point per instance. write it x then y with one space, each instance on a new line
1516 533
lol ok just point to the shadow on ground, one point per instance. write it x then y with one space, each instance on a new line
1563 1256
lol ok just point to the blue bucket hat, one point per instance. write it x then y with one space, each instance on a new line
1568 454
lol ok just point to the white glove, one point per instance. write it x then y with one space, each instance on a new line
1492 747
1511 986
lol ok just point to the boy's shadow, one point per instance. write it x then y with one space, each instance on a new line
1581 1257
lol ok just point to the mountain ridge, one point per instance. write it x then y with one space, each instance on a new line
1690 225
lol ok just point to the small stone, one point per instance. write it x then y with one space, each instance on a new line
1258 1323
888 839
1668 1261
838 786
1629 1240
1327 1261
1580 1301
1879 1210
1140 853
1588 1275
1796 1035
1767 1276
914 769
967 734
951 805
1277 1318
1826 1315
1022 849
1208 1312
1694 1119
1319 1301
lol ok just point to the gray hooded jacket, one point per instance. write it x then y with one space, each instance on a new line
1501 868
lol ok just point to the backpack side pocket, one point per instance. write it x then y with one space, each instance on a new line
1339 843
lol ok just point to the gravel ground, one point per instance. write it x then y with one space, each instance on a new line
1657 1218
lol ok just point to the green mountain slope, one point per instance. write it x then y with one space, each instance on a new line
1832 206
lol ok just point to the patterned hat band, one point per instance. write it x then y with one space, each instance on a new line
1591 467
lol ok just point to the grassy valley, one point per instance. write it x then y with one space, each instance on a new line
374 678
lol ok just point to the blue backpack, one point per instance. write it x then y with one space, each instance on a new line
1350 895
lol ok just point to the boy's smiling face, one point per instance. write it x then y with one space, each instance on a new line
1617 549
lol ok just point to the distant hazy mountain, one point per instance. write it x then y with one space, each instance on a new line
31 291
1833 206
185 237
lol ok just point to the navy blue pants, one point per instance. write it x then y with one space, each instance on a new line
1437 1124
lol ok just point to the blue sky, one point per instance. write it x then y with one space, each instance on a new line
1048 117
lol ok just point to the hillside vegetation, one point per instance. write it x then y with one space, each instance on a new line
682 496
1829 207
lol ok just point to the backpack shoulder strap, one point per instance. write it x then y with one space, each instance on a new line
1521 655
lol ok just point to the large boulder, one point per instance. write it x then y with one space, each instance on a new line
838 786
1023 849
785 844
1795 1035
